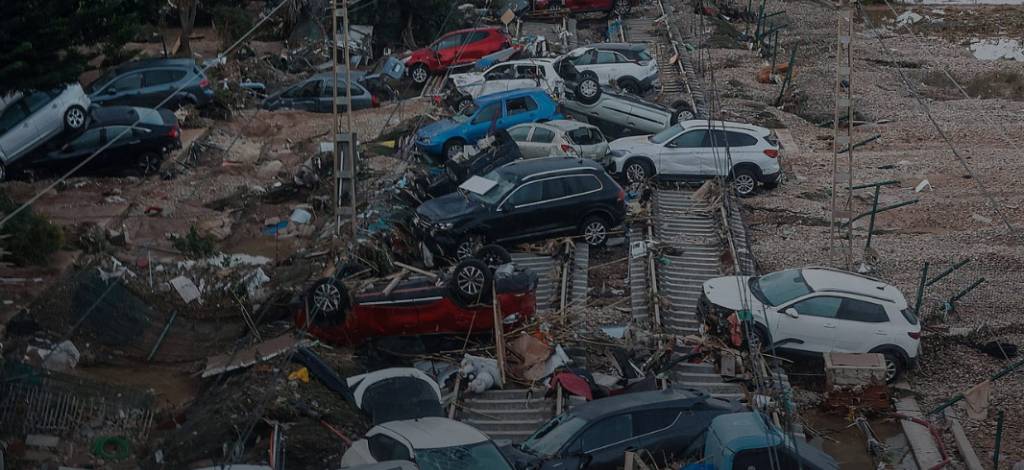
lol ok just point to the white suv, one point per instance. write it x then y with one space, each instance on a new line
512 75
631 66
690 150
816 310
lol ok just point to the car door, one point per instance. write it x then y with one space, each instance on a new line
528 76
606 441
585 61
661 433
125 90
46 121
325 100
520 217
561 205
82 147
521 135
16 131
305 96
518 110
814 325
540 143
606 66
158 85
482 122
477 46
497 79
863 325
452 49
681 156
728 148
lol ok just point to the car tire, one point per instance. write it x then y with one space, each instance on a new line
327 302
3 172
148 164
621 7
493 256
465 248
471 281
588 89
744 181
74 118
630 86
453 147
463 105
594 231
419 74
682 112
893 366
637 171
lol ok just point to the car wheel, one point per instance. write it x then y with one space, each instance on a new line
595 231
622 7
3 172
419 74
893 367
464 105
682 112
327 302
471 281
744 182
637 171
493 256
588 90
465 249
630 86
453 148
74 118
148 163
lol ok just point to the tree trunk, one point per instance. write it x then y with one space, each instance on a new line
187 10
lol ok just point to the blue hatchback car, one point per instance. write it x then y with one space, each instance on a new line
447 137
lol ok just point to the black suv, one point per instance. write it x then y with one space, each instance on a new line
523 201
148 82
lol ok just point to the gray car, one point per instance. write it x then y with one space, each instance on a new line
30 120
150 82
558 138
619 113
315 94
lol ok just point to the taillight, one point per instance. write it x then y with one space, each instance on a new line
914 334
566 148
772 153
204 83
374 101
622 195
174 132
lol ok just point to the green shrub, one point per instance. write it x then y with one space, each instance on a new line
32 238
195 245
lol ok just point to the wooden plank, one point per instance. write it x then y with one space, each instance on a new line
416 270
260 352
970 458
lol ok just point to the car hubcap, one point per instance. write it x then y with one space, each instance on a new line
890 369
744 184
635 173
595 233
471 280
326 298
75 118
684 115
588 88
465 250
148 164
419 75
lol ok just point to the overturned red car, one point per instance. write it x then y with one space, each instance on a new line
350 313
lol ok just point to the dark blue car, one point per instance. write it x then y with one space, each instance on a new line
447 137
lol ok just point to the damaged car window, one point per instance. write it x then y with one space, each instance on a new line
504 184
778 288
552 436
482 455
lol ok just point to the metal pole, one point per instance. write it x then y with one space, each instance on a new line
999 440
775 50
874 211
967 290
334 119
348 115
920 290
947 272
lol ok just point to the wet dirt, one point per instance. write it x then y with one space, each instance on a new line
846 443
174 386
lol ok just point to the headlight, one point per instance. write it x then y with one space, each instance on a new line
443 226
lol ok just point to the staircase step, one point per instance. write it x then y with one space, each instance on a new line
520 425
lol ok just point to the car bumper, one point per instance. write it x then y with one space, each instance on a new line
772 177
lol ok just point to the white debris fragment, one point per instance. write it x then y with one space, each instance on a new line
186 289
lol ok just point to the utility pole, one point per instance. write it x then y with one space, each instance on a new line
842 168
349 140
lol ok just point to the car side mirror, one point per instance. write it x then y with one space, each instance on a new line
791 312
508 207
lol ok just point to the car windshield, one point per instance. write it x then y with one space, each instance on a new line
552 436
505 183
778 288
665 134
482 456
101 82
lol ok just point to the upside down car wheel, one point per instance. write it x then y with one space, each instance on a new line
493 256
327 302
471 281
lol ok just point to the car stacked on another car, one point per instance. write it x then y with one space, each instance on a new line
447 137
692 150
132 139
457 47
316 94
32 119
523 201
630 66
462 88
816 310
596 434
560 138
168 83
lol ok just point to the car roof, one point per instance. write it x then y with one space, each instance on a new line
526 168
356 75
488 99
157 62
619 46
539 60
567 124
637 401
727 125
834 280
435 432
467 30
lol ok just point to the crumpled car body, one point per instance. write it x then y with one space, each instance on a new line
497 150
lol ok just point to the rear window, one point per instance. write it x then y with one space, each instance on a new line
908 313
150 116
162 76
582 184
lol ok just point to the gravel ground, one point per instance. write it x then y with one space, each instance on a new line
951 221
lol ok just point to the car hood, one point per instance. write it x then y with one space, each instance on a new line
448 207
731 292
627 144
519 458
437 128
466 79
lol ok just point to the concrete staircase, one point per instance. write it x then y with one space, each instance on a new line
511 414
